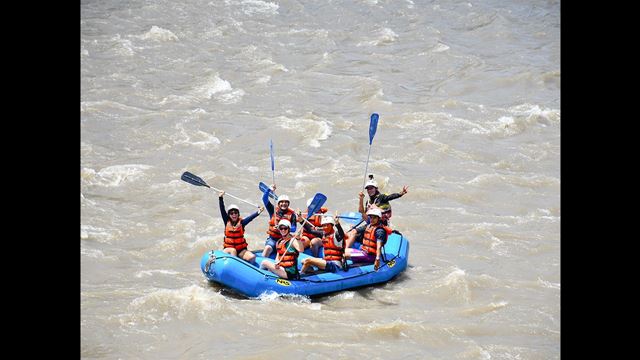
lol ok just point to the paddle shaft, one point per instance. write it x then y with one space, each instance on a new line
355 226
316 204
273 166
197 181
235 197
366 167
293 237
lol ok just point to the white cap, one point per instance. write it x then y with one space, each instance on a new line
283 198
371 183
233 206
375 212
284 222
327 220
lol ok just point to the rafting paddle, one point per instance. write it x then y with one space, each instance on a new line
197 181
264 188
373 126
315 205
273 167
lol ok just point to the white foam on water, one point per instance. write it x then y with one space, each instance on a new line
92 253
148 273
167 304
395 329
97 233
548 284
520 119
198 138
263 79
157 33
453 288
384 36
289 300
483 309
528 181
213 84
313 128
110 107
217 88
315 33
440 47
122 47
114 176
270 65
475 352
253 7
534 112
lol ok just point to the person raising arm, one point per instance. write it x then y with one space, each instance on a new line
234 240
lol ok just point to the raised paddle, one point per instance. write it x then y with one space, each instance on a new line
264 188
197 181
373 126
273 167
318 200
340 216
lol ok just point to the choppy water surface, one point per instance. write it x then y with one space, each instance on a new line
469 100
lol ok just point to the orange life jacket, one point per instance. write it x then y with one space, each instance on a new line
332 251
273 223
314 220
369 239
234 236
290 258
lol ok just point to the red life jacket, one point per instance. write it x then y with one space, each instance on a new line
291 257
234 236
332 251
369 240
273 223
314 220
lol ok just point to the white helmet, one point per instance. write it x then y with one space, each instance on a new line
284 222
375 212
371 183
232 207
283 198
327 220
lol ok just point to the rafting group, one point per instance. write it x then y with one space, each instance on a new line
361 243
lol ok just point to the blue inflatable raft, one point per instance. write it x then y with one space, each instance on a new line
251 281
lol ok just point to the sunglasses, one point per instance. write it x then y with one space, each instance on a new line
283 228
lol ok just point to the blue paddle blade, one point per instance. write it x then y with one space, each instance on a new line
317 202
264 188
271 151
373 126
351 217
